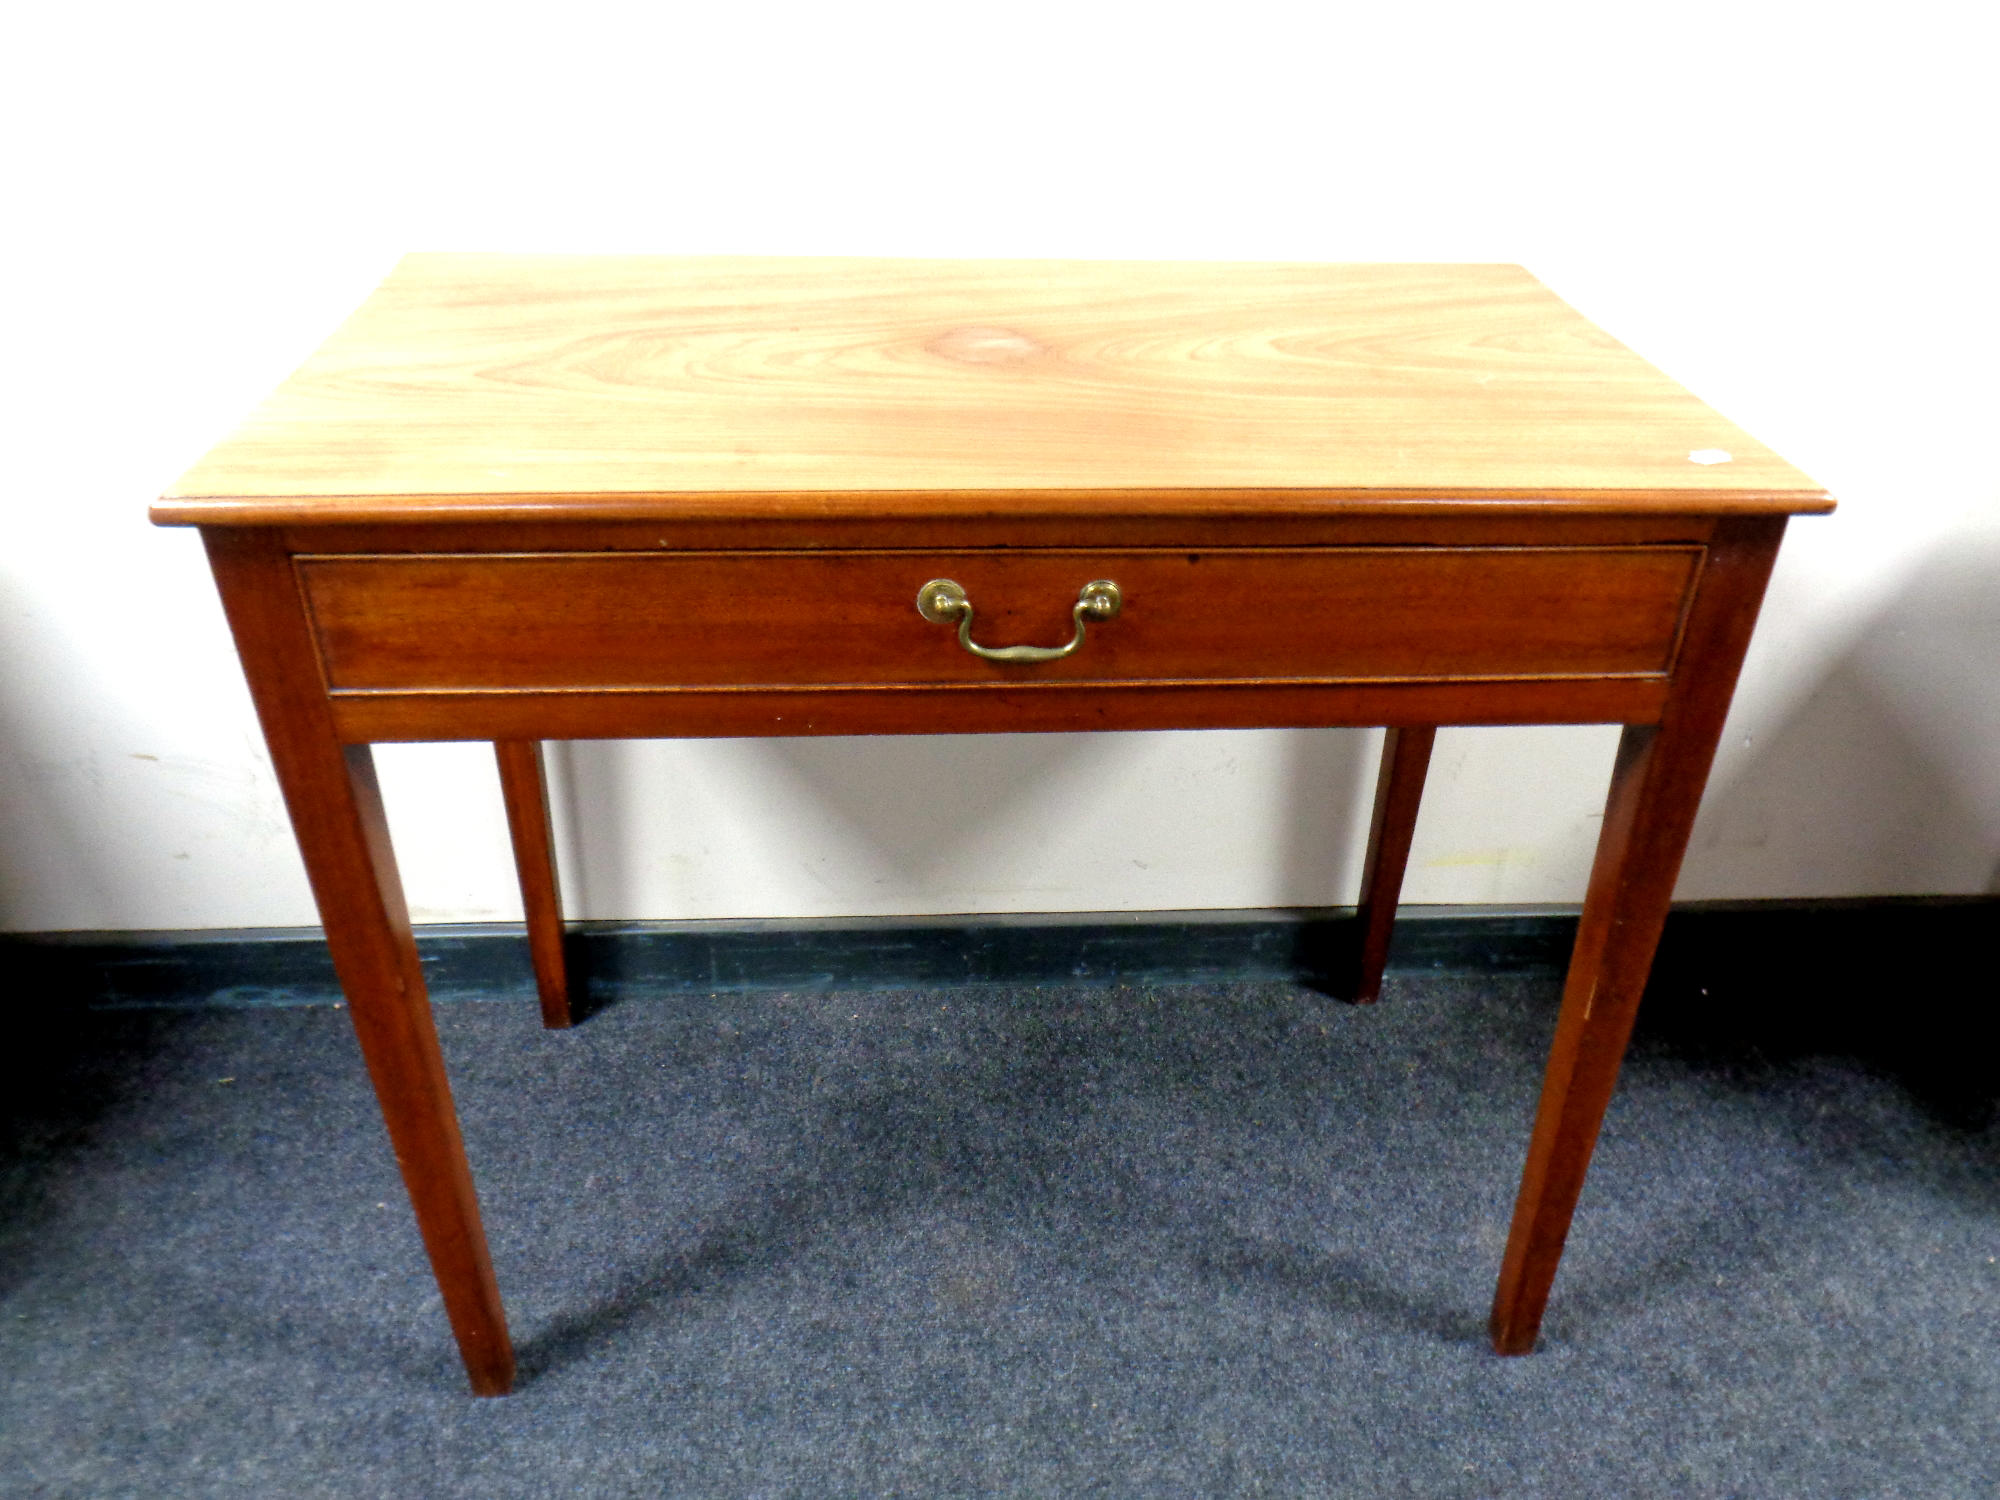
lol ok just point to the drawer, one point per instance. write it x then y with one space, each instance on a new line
431 622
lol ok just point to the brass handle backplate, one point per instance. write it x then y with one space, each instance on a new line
942 601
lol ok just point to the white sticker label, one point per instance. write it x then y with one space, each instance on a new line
1709 456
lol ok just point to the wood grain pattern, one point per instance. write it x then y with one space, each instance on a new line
806 619
615 386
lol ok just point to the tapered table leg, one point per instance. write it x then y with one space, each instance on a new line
1399 790
336 809
1656 788
524 785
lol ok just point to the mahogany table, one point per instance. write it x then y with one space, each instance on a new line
526 498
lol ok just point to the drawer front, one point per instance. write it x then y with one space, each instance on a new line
417 623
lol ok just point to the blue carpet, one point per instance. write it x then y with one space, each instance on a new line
1228 1240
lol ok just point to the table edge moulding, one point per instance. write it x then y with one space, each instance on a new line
520 498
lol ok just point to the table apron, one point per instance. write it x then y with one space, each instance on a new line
692 713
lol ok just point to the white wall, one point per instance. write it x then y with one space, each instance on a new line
1787 207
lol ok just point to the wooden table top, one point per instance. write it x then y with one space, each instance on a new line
595 387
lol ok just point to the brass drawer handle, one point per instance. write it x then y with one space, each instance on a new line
942 601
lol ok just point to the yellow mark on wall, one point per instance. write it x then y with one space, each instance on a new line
1473 858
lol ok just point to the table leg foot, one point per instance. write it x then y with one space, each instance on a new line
524 785
376 956
1614 949
1399 790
